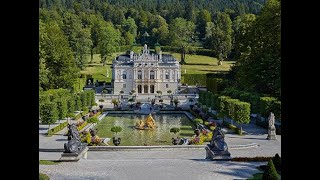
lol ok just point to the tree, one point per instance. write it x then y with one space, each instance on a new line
48 113
241 28
59 60
182 36
43 70
189 11
160 30
116 129
270 172
203 17
108 41
219 36
241 113
259 66
78 37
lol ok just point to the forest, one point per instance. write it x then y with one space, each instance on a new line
247 31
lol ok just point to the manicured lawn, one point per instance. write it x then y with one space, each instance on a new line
98 71
198 64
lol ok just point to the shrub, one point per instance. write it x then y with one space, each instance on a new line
254 159
194 79
175 130
277 162
92 120
242 113
82 125
208 137
116 129
267 106
198 121
271 172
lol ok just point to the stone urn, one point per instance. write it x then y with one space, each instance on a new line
116 141
197 132
101 106
175 141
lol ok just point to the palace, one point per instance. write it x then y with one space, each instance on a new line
146 73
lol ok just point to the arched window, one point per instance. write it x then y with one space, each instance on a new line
151 74
145 88
151 88
124 75
167 75
139 74
139 89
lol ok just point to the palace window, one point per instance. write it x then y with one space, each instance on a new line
151 88
151 74
145 88
139 74
167 75
139 89
167 85
124 75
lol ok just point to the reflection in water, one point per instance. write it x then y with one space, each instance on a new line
133 137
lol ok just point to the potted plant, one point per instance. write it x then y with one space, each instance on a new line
116 140
175 140
176 101
115 103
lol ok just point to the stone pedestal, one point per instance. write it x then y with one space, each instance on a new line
75 156
272 133
217 155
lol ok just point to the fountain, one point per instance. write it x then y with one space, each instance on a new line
149 123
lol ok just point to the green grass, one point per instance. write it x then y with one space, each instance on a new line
198 64
96 69
43 176
48 162
256 176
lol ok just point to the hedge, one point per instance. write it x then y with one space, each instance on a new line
62 108
84 100
194 79
192 50
57 128
48 113
82 125
254 159
214 84
71 104
78 103
270 104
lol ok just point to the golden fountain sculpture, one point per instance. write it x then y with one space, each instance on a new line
148 124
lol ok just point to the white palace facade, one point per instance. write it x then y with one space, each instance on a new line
145 73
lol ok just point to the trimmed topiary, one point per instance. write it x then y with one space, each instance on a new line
270 173
277 162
